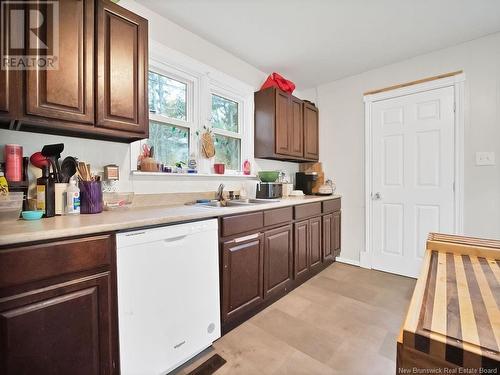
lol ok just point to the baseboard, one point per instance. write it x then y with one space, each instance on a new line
352 262
365 260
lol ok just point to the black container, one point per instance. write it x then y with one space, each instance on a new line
304 181
46 185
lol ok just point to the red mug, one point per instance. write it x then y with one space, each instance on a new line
219 168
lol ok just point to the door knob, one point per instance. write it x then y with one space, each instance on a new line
376 196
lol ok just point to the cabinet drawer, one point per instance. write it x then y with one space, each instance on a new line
277 216
242 223
307 210
331 205
37 262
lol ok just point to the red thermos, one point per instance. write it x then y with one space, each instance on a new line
13 156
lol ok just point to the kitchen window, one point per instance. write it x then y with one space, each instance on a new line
170 117
167 96
170 142
186 97
227 131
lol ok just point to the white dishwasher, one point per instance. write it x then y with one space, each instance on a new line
168 295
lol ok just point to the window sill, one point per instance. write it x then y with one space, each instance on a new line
193 175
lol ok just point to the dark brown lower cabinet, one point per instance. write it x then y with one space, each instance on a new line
61 329
336 233
301 238
265 254
278 260
308 244
242 275
58 308
315 242
328 250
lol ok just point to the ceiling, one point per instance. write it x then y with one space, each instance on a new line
318 41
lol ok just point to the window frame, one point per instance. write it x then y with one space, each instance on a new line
218 90
201 82
191 83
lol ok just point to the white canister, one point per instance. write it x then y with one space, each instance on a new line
60 200
286 189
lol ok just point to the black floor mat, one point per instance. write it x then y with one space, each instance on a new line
208 367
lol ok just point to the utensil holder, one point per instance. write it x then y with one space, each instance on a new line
90 197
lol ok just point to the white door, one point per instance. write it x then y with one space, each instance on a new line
413 176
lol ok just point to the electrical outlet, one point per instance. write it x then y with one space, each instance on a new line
485 158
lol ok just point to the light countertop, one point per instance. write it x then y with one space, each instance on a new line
21 231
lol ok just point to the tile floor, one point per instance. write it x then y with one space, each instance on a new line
343 321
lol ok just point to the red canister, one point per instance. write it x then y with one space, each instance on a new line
13 156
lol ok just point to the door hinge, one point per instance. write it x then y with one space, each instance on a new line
453 186
454 107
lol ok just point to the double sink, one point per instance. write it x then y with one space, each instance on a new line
237 202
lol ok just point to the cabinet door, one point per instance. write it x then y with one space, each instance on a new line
282 123
9 79
4 92
296 130
301 257
242 277
122 64
336 232
315 242
67 93
328 237
278 259
311 132
60 329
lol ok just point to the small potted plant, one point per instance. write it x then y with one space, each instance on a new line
179 165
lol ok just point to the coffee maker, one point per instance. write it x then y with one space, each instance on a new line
304 181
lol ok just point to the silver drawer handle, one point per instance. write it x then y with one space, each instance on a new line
246 238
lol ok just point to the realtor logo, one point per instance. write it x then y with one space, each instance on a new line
29 35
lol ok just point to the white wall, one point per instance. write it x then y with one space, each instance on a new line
100 153
342 133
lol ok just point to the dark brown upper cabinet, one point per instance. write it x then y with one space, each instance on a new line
283 145
296 132
280 130
67 93
4 92
311 132
122 61
9 80
99 86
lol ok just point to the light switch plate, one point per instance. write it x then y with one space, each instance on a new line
485 158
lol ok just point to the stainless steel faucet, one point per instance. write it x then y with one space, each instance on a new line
220 193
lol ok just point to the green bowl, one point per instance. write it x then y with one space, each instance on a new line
32 215
268 176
